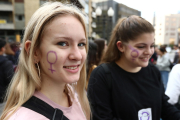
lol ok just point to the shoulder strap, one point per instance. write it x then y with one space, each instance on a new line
44 109
108 75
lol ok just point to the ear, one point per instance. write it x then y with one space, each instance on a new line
120 46
27 46
36 56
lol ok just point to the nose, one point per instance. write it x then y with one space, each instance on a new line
75 54
149 51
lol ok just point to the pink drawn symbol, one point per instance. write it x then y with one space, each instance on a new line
134 53
51 62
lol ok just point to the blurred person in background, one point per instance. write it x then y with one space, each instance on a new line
6 72
9 53
16 48
102 46
173 86
127 86
91 59
153 58
163 64
176 56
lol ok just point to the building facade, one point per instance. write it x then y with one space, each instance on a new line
15 14
105 23
167 29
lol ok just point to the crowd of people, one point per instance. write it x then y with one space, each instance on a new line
58 73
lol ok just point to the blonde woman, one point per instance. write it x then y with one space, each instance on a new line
126 86
52 58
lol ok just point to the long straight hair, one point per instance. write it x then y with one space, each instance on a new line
26 79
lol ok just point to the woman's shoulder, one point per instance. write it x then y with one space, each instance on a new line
27 114
176 69
177 66
101 68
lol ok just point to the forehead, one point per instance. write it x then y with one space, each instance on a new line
63 20
65 26
145 38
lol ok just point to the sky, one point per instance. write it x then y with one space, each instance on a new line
148 7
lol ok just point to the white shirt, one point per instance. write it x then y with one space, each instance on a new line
163 63
173 86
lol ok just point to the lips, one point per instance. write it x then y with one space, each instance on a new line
69 67
72 68
145 59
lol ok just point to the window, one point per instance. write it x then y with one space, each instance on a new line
172 29
174 19
19 17
172 34
171 40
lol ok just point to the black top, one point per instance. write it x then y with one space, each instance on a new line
6 73
133 96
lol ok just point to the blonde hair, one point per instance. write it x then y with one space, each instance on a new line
126 29
26 79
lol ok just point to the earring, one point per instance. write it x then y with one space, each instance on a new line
38 69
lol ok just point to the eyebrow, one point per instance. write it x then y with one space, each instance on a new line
69 38
145 44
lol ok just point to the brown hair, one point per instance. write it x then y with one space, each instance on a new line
126 29
100 51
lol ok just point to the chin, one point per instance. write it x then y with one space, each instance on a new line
72 80
144 64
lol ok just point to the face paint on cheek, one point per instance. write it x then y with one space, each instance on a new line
51 59
134 53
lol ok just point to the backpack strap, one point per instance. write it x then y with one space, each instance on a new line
108 75
44 109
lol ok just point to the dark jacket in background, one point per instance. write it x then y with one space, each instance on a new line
6 73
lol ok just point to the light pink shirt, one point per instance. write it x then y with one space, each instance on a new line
73 112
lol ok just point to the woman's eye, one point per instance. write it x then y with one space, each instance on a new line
140 47
81 44
153 46
63 43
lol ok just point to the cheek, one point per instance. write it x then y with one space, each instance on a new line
134 53
152 51
52 57
84 55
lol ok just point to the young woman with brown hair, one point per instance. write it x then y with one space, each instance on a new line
126 86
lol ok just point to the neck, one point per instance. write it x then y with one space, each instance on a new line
55 92
127 66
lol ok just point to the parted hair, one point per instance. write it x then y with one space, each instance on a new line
26 79
126 29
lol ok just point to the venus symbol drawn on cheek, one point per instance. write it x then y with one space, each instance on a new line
134 53
51 59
